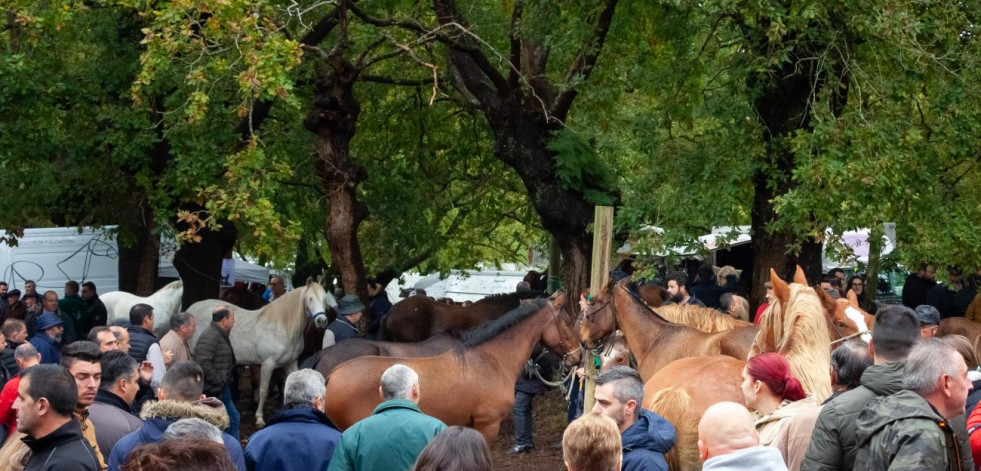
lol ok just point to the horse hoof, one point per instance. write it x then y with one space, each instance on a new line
259 423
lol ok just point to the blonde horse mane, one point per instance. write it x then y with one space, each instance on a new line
282 312
799 332
704 319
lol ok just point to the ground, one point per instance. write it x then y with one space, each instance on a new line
549 418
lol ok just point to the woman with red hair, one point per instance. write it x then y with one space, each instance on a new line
783 413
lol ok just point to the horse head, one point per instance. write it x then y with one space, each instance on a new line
316 300
597 320
844 320
559 336
617 355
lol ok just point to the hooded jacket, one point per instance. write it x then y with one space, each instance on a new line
159 415
646 441
311 435
64 449
49 349
757 458
833 440
112 419
904 432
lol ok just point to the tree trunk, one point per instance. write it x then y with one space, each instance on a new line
199 263
333 118
139 252
307 266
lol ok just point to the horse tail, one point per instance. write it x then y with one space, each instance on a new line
673 404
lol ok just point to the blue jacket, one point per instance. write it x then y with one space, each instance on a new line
311 437
49 349
646 441
159 415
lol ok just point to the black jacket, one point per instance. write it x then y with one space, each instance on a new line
9 361
940 297
62 450
343 329
97 312
709 293
915 290
217 358
140 341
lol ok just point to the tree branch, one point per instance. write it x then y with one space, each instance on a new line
585 62
394 81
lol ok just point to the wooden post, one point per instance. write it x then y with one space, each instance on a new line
554 266
598 279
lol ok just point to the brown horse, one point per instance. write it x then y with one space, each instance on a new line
654 341
417 317
961 326
334 355
617 353
472 385
653 294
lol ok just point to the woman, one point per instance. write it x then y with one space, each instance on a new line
456 448
857 286
783 414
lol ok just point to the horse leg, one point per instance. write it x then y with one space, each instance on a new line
265 373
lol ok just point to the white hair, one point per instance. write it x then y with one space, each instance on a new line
303 386
194 429
927 361
397 381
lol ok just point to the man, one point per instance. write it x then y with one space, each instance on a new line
30 291
525 390
727 440
646 436
32 309
941 296
592 443
910 429
122 337
840 274
95 308
74 307
15 332
848 362
46 398
831 285
182 328
706 290
918 284
3 295
217 358
277 287
111 413
833 439
392 437
378 306
50 306
81 359
678 289
180 398
311 435
143 344
27 356
734 305
929 318
104 338
48 339
14 308
4 373
349 310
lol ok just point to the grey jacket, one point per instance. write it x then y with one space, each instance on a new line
111 419
756 458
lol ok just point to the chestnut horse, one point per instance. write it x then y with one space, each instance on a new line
653 294
961 326
417 318
654 341
471 385
333 356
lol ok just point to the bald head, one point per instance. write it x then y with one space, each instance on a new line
725 427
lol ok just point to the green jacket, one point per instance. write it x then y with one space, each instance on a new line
390 439
904 432
832 445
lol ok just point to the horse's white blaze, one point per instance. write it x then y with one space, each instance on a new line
859 319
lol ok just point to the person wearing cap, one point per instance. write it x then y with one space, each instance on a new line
14 309
929 318
349 311
47 341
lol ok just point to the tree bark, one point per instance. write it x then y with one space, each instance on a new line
333 118
199 263
139 252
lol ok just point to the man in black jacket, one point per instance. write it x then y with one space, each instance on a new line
216 356
46 400
918 284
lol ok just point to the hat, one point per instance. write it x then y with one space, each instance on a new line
13 292
47 321
348 305
927 314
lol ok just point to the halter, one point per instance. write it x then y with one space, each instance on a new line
555 318
604 341
838 332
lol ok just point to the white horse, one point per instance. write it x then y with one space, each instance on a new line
166 302
272 336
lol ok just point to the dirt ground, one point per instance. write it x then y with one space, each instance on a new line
549 418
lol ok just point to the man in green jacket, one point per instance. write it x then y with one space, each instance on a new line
832 446
392 437
909 430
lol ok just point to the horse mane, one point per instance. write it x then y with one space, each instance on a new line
799 332
479 334
704 319
493 298
283 314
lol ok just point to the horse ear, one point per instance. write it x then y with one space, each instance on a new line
827 302
799 276
780 288
716 270
852 299
558 299
309 281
